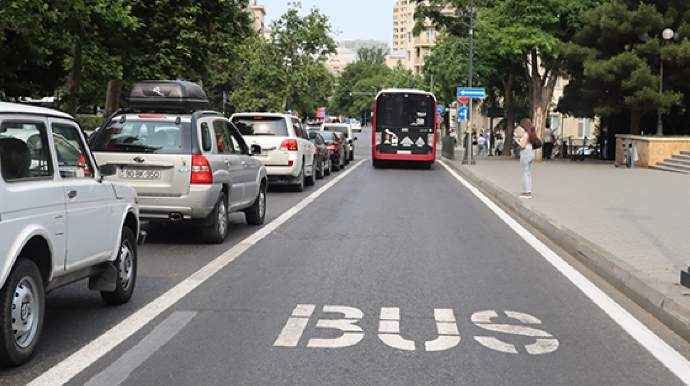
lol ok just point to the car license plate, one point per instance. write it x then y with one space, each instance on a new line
140 174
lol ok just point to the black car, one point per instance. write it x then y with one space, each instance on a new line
336 148
323 162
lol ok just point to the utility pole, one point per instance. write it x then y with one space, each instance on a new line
467 156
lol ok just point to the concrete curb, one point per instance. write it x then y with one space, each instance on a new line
657 298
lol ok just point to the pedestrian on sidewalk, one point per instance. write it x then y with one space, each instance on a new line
481 145
526 156
499 144
548 140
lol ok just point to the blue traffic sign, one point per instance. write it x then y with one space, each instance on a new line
463 113
439 109
471 93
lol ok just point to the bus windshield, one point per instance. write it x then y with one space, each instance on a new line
401 110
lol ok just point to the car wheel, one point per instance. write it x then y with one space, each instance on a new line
311 180
321 171
352 155
126 264
299 187
256 213
329 167
336 167
218 230
22 305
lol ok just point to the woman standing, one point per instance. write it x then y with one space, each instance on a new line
526 156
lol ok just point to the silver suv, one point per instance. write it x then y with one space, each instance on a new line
60 222
188 165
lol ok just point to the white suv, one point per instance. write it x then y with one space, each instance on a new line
287 152
60 222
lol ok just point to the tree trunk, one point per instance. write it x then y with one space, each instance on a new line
635 118
112 98
541 96
73 81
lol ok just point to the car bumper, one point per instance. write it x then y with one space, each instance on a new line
197 204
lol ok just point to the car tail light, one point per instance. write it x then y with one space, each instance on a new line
289 145
290 163
378 138
150 116
332 148
201 170
340 140
82 164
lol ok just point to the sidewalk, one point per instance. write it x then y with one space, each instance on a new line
630 226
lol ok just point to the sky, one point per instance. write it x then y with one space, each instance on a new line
350 19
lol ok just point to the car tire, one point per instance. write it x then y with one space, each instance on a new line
336 168
22 299
322 170
299 187
352 155
256 213
216 233
311 180
126 264
329 168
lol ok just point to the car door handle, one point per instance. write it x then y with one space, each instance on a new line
72 193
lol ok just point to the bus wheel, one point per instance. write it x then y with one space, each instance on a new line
376 163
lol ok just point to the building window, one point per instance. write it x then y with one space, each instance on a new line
584 127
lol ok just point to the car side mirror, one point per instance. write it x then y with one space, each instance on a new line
255 149
108 169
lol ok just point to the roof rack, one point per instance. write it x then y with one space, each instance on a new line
166 95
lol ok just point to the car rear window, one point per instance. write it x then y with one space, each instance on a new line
148 136
328 136
340 129
260 125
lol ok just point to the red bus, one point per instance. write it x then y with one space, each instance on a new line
404 127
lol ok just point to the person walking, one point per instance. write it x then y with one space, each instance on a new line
526 156
499 144
481 145
548 140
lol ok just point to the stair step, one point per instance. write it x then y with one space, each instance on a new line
685 152
678 162
682 156
669 169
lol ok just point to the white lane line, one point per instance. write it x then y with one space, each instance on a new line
120 370
62 372
655 345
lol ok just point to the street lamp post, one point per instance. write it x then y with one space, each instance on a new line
667 34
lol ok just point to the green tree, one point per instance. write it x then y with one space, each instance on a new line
372 55
614 63
357 86
32 48
303 44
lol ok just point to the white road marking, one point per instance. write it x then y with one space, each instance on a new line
669 357
448 334
294 328
352 333
389 330
117 372
64 371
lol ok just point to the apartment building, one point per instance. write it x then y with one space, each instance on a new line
258 14
408 49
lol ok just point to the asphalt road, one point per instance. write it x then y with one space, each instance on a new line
382 277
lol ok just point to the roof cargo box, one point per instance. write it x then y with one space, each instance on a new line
166 95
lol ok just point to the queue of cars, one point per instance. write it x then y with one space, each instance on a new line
164 159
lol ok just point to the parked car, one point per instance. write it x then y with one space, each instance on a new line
61 222
189 165
323 165
346 130
288 154
336 148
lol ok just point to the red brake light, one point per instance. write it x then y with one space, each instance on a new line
201 170
145 116
258 118
82 164
332 147
289 145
